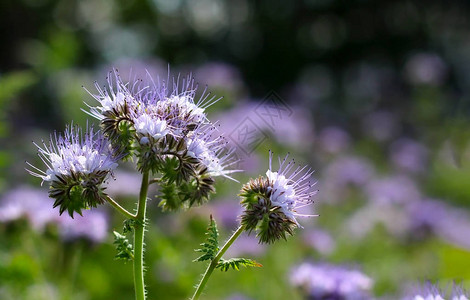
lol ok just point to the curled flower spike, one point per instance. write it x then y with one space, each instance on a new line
271 202
77 164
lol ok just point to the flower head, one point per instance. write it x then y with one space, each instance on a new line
271 202
76 166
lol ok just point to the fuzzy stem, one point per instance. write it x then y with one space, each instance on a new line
119 208
215 261
139 229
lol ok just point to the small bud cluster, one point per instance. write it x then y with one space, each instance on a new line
271 202
77 165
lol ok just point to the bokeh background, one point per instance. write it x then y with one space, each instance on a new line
373 95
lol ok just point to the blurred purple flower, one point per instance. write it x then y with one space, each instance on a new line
427 291
381 125
124 184
227 212
324 281
30 203
35 206
436 217
395 189
409 155
220 75
393 217
426 68
93 226
320 240
291 130
246 245
343 172
333 140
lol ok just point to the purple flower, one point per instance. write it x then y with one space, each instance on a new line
246 245
92 226
448 223
342 173
320 240
77 164
212 150
220 75
165 117
426 68
427 291
30 203
409 155
323 281
381 125
271 202
395 189
334 140
124 183
35 206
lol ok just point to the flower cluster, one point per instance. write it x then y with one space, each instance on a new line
162 125
169 132
271 202
77 165
323 281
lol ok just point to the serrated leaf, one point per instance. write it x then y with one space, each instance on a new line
123 247
128 225
211 246
236 263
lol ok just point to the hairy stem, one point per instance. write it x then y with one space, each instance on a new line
139 230
119 208
214 262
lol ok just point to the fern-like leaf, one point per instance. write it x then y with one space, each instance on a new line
211 246
236 263
123 247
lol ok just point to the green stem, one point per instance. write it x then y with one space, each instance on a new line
139 229
215 261
119 208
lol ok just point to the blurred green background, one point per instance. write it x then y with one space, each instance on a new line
373 95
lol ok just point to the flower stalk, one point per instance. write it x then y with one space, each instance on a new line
215 261
139 230
119 208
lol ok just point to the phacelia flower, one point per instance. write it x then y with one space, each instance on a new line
213 151
323 281
77 165
165 125
426 292
173 103
271 202
429 291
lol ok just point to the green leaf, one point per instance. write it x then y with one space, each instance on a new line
211 246
236 263
123 247
128 225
